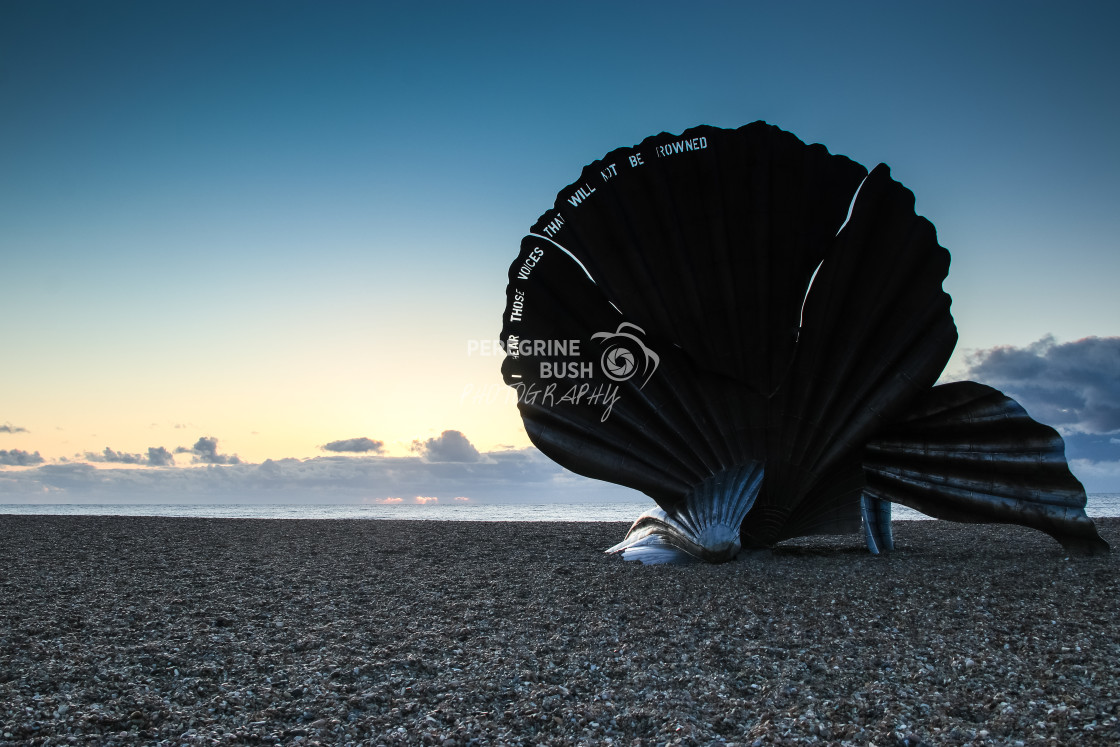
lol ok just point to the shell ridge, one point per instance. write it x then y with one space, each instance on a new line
666 474
566 251
686 421
860 367
567 442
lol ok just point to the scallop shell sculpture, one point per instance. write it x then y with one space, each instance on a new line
748 329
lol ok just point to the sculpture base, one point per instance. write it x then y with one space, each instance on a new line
705 527
876 515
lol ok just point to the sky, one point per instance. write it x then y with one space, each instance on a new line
236 234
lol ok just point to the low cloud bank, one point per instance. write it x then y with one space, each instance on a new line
1073 386
157 456
509 476
19 458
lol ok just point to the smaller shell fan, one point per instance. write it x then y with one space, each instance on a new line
967 452
726 320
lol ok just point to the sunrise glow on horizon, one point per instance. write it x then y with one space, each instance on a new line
236 234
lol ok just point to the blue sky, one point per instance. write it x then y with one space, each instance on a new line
279 224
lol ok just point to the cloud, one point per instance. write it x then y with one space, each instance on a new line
423 499
205 451
449 446
160 457
9 428
1097 477
355 445
19 458
1073 386
120 457
1092 447
517 476
1095 459
157 456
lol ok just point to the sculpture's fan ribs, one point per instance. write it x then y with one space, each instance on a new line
690 320
967 452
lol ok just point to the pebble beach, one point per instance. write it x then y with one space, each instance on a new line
176 631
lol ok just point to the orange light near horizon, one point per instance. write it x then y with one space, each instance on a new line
427 499
383 501
462 498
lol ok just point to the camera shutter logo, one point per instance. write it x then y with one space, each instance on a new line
625 355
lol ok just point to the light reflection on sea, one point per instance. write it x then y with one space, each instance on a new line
1100 504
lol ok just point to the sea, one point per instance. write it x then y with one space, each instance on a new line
1100 504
